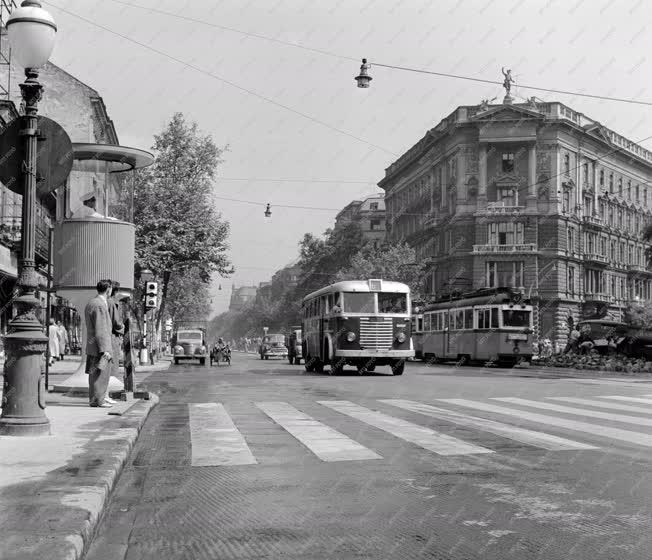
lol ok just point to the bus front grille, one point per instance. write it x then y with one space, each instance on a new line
378 335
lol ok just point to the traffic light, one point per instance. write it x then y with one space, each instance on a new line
151 295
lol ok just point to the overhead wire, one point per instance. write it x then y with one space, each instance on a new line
224 80
380 64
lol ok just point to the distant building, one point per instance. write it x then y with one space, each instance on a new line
285 279
241 296
369 213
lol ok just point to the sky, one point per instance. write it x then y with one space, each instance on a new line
298 130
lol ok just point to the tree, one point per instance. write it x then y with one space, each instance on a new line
391 262
638 314
187 297
177 227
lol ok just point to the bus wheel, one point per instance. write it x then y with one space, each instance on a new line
398 367
176 361
319 366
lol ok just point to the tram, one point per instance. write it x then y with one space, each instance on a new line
363 323
487 325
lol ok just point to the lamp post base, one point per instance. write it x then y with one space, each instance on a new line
23 398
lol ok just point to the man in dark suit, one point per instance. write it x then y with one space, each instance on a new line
98 345
117 330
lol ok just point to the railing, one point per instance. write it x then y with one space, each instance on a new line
637 268
593 220
504 209
595 257
517 248
598 296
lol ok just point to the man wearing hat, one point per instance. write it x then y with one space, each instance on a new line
89 208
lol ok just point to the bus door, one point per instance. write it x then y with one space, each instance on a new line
324 314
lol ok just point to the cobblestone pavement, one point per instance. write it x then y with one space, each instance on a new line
262 460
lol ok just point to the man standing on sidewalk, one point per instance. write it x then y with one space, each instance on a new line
99 345
117 330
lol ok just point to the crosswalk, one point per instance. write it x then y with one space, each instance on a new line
553 424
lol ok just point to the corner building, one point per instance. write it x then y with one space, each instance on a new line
532 196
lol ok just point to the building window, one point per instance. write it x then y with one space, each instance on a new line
593 281
620 217
621 255
638 193
611 215
571 280
570 239
602 177
603 246
613 287
611 182
506 233
508 162
620 186
374 225
373 206
612 252
567 164
508 196
585 173
504 274
629 190
645 196
602 210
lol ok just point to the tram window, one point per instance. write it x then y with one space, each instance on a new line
426 322
488 318
494 318
516 318
459 321
468 318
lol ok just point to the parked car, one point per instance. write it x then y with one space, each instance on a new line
273 345
294 346
190 344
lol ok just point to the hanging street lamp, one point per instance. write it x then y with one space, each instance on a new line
364 78
268 211
31 31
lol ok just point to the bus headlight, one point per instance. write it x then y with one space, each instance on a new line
350 336
400 337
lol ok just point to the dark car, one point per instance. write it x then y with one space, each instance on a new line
273 346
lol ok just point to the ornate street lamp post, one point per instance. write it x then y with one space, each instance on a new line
31 31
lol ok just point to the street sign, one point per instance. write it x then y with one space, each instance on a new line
53 161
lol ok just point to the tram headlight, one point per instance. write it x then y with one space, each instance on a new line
350 336
400 337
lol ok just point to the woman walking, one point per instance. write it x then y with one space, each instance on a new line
53 335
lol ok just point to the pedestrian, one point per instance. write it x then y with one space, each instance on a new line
117 329
98 345
573 340
128 346
53 345
62 333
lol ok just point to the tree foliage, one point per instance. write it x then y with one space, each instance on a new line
638 314
179 234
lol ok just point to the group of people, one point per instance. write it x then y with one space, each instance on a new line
58 340
105 329
579 341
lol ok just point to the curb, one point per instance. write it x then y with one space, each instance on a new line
79 490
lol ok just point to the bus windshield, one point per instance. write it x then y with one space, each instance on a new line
359 302
516 318
392 303
186 335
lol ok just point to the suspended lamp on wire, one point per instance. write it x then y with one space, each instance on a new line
268 211
364 78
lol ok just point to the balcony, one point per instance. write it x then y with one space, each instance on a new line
595 221
500 209
506 249
633 268
595 257
597 296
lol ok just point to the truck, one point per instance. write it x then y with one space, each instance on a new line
189 342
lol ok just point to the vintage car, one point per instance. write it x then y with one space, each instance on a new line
273 345
189 344
294 346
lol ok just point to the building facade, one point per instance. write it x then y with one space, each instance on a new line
535 196
241 296
369 214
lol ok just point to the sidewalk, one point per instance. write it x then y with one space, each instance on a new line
53 489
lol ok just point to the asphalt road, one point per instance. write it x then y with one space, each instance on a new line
261 460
